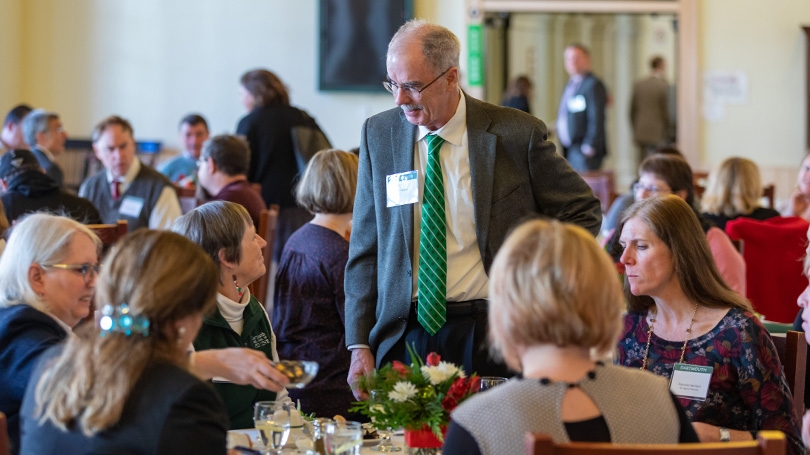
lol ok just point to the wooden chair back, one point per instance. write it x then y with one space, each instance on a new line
769 193
268 224
603 186
110 233
187 197
5 445
767 443
792 350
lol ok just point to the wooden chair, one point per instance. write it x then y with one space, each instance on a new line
110 233
792 350
268 223
5 446
187 197
603 186
767 443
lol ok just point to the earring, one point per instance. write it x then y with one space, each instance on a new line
239 291
181 332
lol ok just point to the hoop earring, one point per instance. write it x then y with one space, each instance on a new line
239 291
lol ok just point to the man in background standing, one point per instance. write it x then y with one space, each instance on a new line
45 136
11 136
182 170
581 116
649 110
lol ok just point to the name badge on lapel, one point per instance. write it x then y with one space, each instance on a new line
131 206
402 188
690 381
576 104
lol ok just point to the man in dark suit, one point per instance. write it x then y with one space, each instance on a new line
496 167
581 116
45 135
649 110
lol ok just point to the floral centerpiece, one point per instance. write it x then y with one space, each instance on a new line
418 398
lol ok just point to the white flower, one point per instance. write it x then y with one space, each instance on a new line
403 391
441 372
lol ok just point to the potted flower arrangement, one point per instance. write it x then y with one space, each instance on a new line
418 398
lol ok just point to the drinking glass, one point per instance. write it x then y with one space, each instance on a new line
299 372
488 382
378 398
272 419
344 438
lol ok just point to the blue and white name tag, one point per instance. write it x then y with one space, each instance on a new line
131 206
690 381
402 188
576 104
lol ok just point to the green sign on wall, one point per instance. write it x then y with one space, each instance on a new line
475 60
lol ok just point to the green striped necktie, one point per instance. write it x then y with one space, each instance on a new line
432 283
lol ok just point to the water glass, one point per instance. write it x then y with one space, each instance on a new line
378 399
488 382
272 419
344 438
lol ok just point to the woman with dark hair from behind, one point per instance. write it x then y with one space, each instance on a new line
518 94
682 314
125 385
734 190
308 314
268 129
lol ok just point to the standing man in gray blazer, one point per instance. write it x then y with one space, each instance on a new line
581 116
649 110
497 168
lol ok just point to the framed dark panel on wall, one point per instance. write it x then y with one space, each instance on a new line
354 39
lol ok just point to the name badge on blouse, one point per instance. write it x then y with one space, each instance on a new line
131 206
402 188
690 381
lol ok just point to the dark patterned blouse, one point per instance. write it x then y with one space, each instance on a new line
748 390
308 317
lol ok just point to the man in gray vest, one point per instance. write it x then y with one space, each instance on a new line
126 189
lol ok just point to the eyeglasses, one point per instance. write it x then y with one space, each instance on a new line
650 189
412 91
84 269
200 161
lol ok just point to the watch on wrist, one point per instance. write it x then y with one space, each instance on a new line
725 435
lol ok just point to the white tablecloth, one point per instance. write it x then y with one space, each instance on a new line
290 449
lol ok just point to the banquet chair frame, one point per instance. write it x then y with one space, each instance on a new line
268 225
5 445
792 350
110 233
767 443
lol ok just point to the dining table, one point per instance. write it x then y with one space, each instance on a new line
291 448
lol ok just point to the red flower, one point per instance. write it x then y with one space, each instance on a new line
460 388
399 367
433 359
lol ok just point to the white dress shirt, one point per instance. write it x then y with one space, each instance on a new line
466 277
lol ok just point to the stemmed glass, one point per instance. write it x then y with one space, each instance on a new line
272 419
488 382
343 438
378 398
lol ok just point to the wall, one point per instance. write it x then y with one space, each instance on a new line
10 52
153 61
767 43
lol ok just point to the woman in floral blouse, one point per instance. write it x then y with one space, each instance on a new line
681 311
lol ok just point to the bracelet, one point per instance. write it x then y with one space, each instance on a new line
725 435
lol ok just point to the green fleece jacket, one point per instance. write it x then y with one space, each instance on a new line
216 333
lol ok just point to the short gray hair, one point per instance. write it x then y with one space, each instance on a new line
37 239
36 122
440 46
230 153
329 183
214 226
